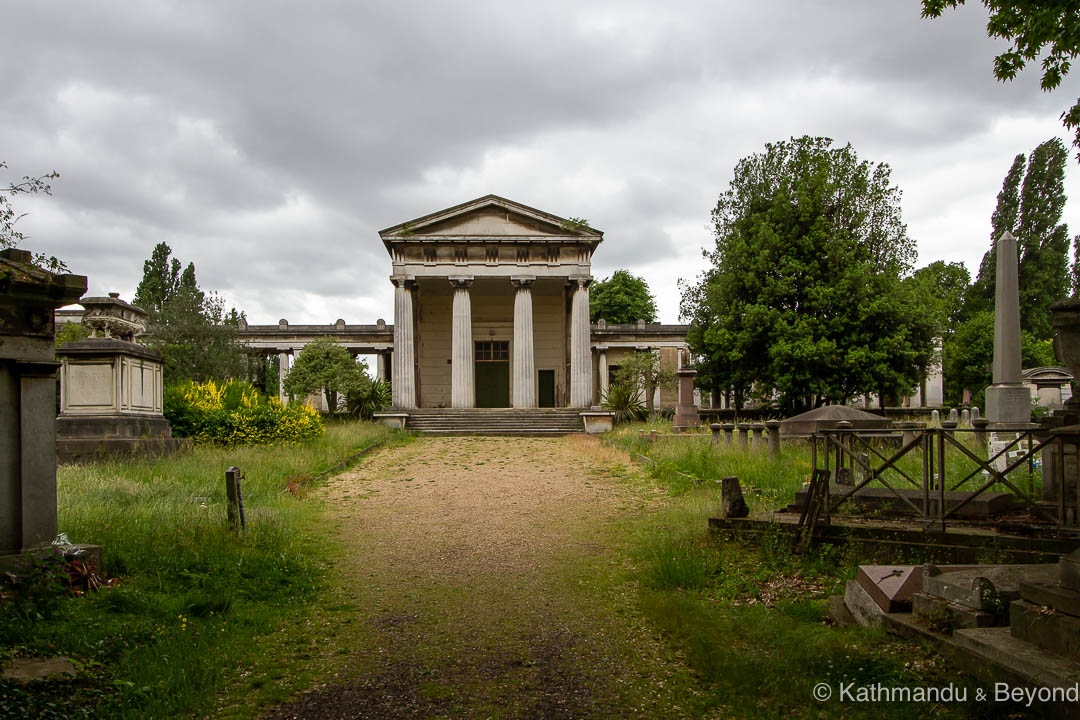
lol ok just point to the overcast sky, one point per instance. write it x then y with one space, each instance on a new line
268 142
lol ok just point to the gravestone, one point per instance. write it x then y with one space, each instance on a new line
935 418
28 298
953 415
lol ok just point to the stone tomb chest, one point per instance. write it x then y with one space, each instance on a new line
111 387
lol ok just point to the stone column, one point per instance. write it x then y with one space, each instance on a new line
773 427
581 390
380 365
404 390
283 370
524 381
602 366
1008 400
462 370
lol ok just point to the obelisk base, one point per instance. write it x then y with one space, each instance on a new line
1008 404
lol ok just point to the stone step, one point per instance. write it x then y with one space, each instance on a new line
1043 627
1023 660
1051 595
944 616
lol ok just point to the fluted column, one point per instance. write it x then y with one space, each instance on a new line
524 387
404 387
581 387
462 370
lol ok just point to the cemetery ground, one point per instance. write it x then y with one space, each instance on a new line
455 577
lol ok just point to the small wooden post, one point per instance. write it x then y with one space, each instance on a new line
235 496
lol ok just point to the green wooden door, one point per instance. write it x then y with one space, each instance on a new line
492 374
546 387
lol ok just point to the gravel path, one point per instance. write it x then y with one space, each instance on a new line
488 579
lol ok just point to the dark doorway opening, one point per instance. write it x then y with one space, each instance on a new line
546 388
492 374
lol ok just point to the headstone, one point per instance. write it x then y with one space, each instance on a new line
975 414
732 504
965 418
773 427
953 415
1008 400
28 298
935 418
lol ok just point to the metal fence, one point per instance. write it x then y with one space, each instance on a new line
874 457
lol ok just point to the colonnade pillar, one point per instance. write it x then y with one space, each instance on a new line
404 378
283 370
601 360
581 386
524 381
462 369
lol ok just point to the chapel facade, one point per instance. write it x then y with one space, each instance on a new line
491 308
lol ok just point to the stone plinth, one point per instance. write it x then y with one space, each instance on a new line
111 388
598 422
28 298
686 412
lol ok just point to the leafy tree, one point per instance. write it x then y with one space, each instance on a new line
621 298
324 365
645 371
804 295
941 288
1030 206
1038 30
190 328
9 236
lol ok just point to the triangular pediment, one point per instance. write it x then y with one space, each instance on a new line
491 217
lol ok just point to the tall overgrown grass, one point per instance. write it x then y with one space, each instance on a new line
193 597
750 617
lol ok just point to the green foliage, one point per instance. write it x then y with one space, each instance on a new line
644 370
71 332
9 236
235 413
621 298
622 399
940 289
34 587
190 328
804 295
969 353
575 225
1030 206
324 365
1045 31
365 399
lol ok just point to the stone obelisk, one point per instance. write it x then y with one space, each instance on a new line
1008 400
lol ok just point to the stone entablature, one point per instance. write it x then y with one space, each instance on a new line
487 237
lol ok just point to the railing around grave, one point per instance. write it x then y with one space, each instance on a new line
935 473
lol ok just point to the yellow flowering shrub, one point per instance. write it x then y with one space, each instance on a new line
235 413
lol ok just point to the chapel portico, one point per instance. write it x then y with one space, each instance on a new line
491 308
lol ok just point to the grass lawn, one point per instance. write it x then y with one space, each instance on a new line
193 598
749 616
